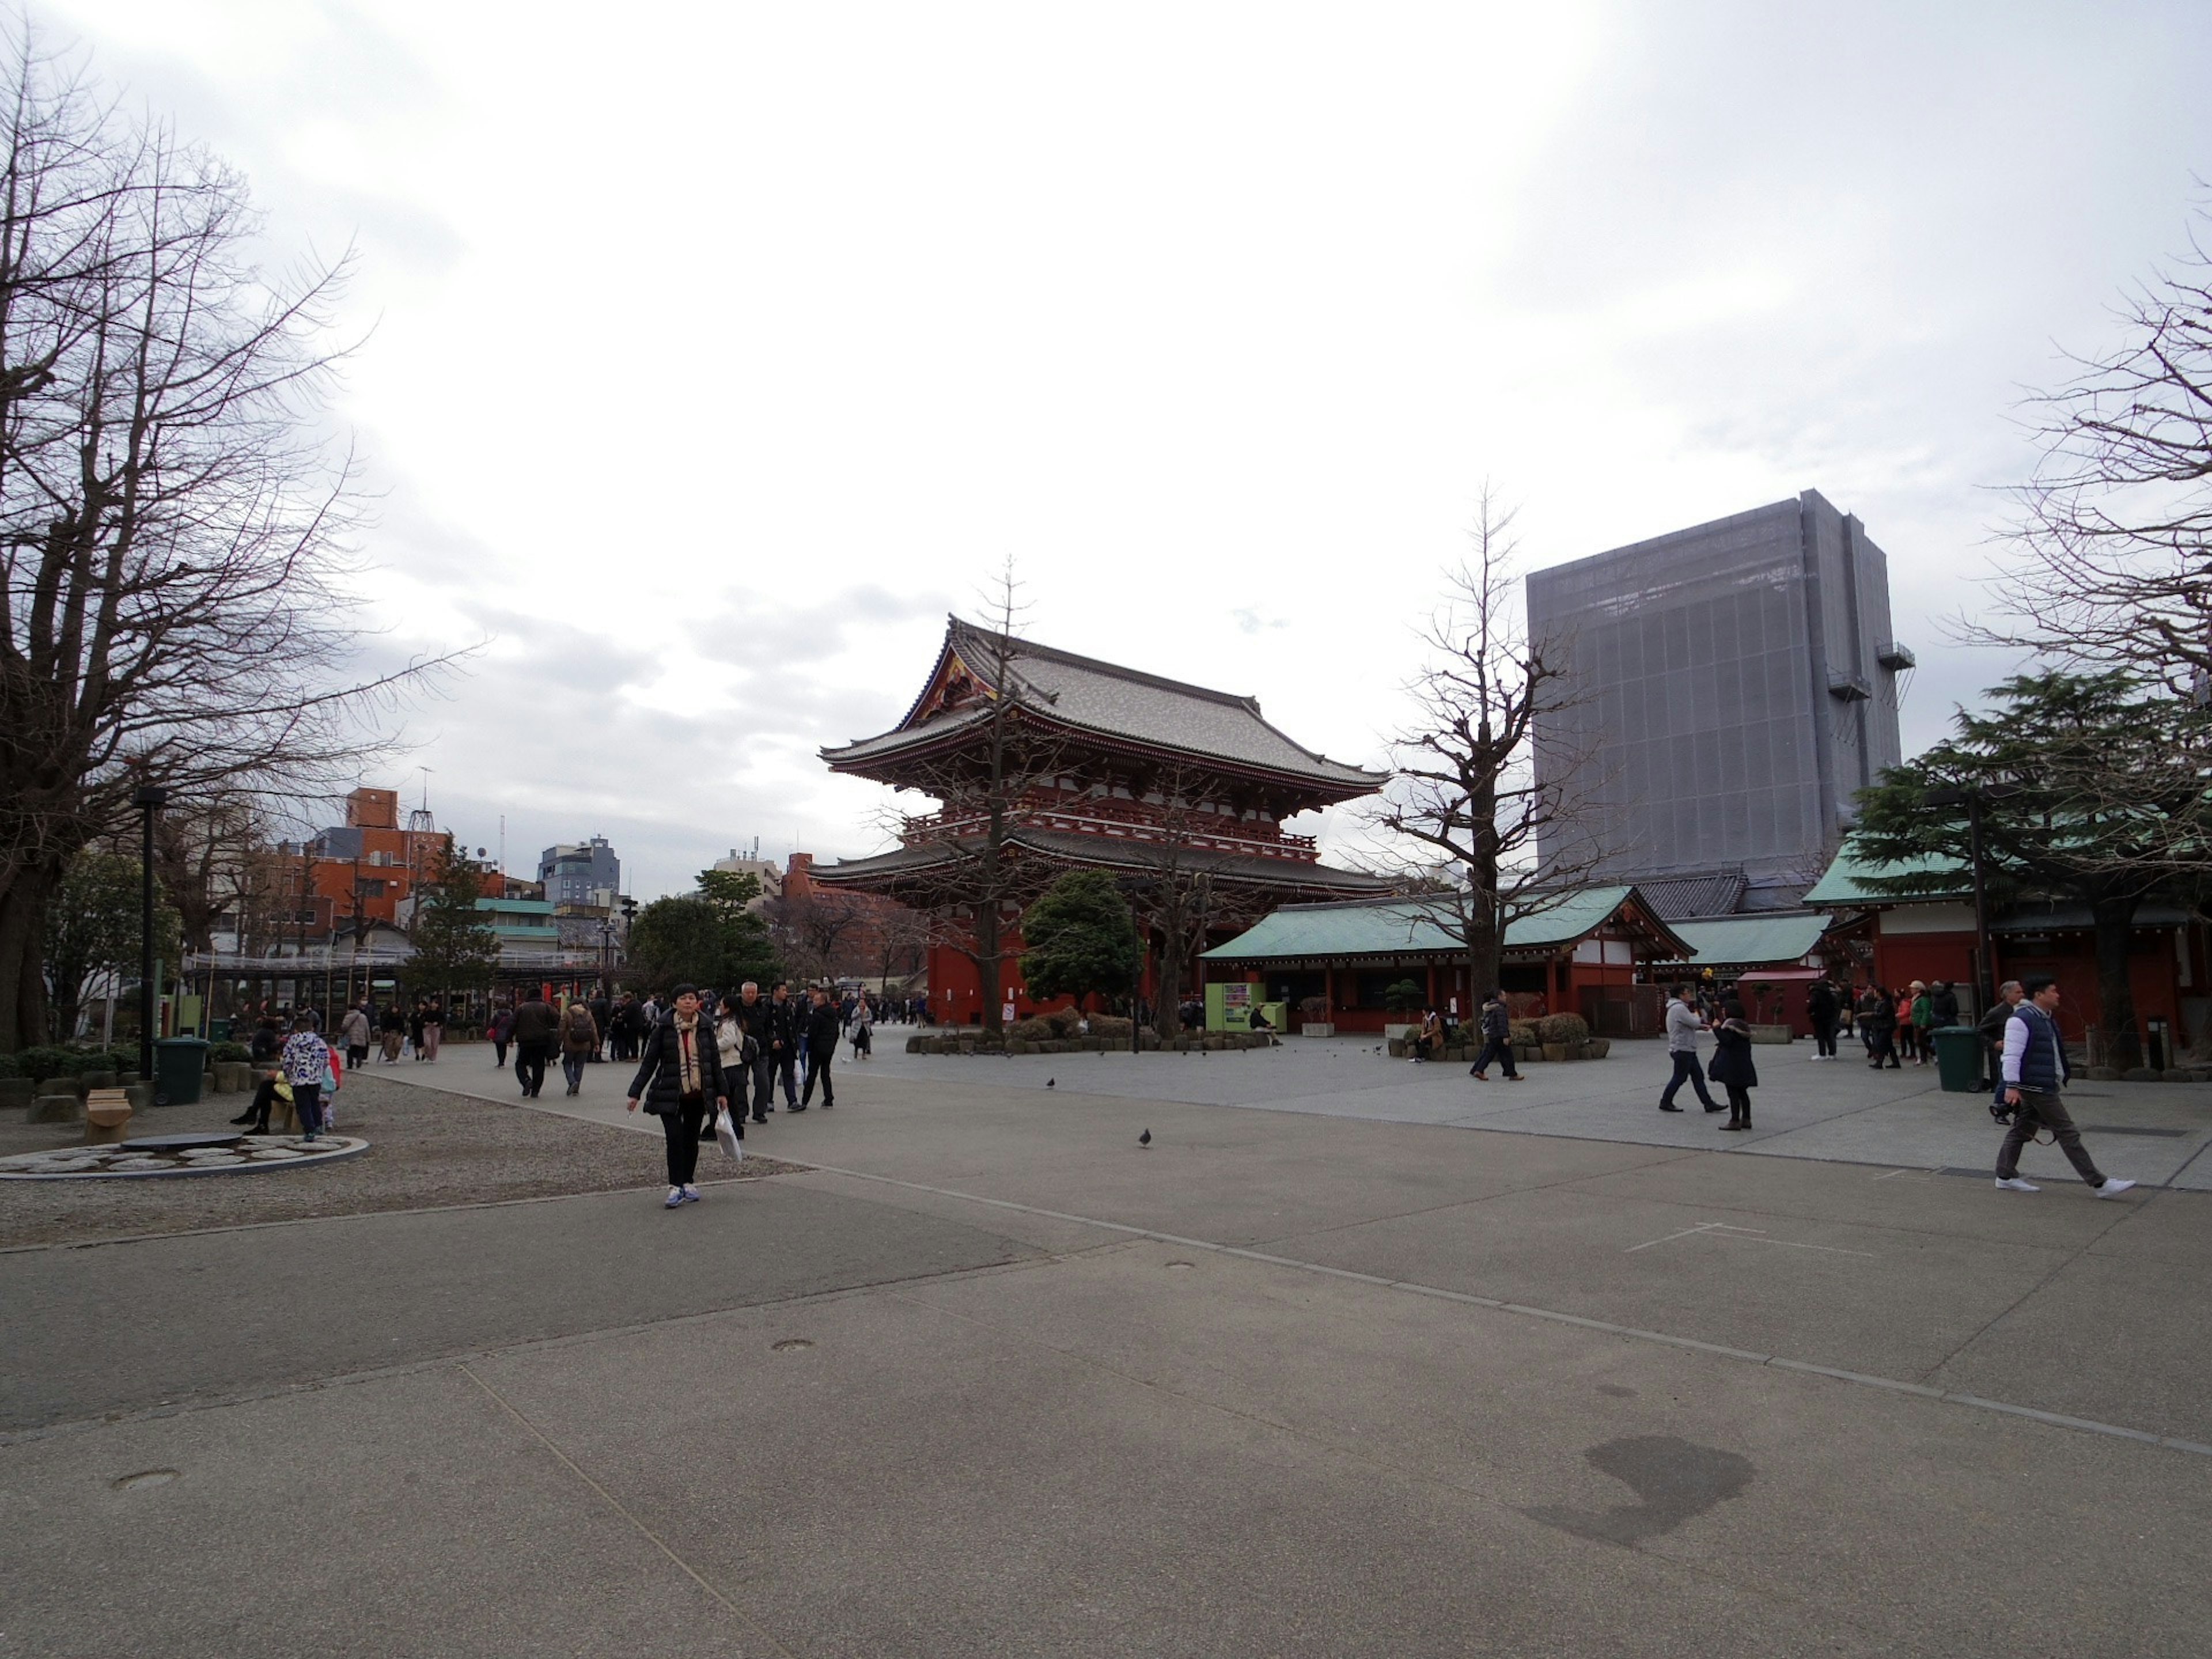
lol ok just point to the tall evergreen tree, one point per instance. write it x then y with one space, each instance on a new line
1082 938
455 948
2091 787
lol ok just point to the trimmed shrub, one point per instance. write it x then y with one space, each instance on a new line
1032 1029
1521 1033
1112 1026
1567 1029
231 1052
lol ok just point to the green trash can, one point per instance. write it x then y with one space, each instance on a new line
177 1064
1957 1059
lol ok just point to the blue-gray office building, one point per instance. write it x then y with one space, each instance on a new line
1734 683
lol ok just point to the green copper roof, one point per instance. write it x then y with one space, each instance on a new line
1407 927
1846 881
1730 941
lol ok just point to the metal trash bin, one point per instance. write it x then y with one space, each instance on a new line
1957 1059
178 1063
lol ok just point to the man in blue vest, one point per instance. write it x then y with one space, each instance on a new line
2035 1069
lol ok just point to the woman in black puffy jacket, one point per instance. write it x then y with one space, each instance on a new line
1732 1067
679 1082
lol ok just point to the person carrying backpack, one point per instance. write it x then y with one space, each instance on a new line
580 1043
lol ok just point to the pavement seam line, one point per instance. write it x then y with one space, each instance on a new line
1976 1402
1367 1454
620 1509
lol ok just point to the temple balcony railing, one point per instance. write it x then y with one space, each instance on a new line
1111 824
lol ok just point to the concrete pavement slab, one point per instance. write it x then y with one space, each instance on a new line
1865 1299
133 1324
1109 1454
407 1515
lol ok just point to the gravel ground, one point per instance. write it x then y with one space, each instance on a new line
426 1149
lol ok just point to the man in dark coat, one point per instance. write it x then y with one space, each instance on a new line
783 1030
679 1081
1820 1010
1943 1004
1991 1029
824 1025
1496 1039
602 1012
752 1017
535 1028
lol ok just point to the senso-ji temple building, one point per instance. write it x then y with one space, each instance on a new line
1121 771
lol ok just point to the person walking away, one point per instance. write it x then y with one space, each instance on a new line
860 1029
680 1080
535 1029
500 1031
1991 1029
1496 1039
414 1027
355 1030
1880 1021
580 1043
751 1015
433 1029
1820 1010
2035 1070
602 1010
306 1064
1733 1068
1683 1026
783 1027
1942 1004
394 1028
821 1032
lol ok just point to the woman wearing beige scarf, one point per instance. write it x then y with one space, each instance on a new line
680 1080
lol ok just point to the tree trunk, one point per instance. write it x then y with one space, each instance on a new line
2116 994
1482 961
1167 1000
989 960
22 983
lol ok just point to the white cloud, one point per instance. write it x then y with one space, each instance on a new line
713 353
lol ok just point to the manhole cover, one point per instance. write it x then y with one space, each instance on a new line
142 1479
793 1343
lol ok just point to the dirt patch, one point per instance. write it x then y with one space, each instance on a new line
427 1149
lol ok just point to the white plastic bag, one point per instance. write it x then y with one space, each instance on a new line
725 1133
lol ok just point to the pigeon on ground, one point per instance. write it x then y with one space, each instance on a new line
1050 1081
1146 1138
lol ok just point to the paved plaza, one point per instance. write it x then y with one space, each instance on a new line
1355 1358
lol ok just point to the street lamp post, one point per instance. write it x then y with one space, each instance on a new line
149 798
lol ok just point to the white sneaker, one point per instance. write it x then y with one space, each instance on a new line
2112 1188
2016 1185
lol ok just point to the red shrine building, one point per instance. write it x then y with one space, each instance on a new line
1112 769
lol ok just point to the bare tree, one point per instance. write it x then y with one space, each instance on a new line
814 929
2113 535
1178 895
1468 805
902 938
171 520
975 886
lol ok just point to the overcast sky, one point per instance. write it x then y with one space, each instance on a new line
715 351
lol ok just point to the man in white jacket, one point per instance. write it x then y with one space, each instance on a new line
1683 1026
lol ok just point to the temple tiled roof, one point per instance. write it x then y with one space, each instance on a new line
1110 852
1749 941
1410 927
1116 704
1713 893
